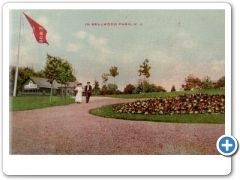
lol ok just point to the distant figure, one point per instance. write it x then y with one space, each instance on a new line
88 91
79 89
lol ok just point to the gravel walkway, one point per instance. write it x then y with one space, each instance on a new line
72 130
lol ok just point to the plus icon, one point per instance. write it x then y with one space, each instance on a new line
227 145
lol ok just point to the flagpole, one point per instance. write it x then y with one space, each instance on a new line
16 71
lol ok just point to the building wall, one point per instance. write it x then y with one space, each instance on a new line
31 88
68 90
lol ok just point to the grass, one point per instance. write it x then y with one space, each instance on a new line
37 102
107 112
167 94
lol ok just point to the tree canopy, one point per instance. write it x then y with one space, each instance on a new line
58 69
105 77
145 69
192 83
113 71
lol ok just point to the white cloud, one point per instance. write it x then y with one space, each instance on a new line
180 39
28 57
71 47
54 38
81 34
102 51
97 42
43 21
170 67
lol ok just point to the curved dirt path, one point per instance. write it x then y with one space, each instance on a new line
72 130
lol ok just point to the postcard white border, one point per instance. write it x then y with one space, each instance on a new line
115 165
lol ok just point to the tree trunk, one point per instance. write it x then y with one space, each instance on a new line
51 93
61 91
143 83
65 90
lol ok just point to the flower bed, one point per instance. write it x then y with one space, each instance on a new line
183 104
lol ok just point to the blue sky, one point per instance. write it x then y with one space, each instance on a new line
176 42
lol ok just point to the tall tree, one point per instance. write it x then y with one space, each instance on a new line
52 70
96 88
112 87
113 72
173 89
64 74
220 83
192 83
207 83
144 70
105 77
23 74
40 73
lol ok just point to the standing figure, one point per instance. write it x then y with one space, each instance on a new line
88 91
79 90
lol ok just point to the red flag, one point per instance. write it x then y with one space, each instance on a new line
39 31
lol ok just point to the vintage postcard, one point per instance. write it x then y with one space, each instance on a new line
99 85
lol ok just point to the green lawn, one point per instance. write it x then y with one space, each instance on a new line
167 94
107 112
36 102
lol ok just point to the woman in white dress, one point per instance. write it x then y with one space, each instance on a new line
79 89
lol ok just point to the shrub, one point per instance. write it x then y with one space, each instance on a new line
129 89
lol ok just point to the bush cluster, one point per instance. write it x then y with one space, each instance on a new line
183 104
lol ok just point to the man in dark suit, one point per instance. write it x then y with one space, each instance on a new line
88 91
